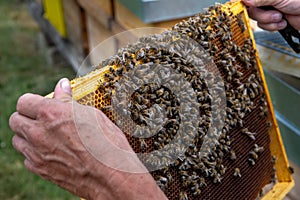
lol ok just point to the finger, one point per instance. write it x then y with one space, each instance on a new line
36 169
30 166
21 125
273 26
63 90
22 146
28 105
257 3
265 17
19 144
294 20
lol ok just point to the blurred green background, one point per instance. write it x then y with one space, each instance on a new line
23 68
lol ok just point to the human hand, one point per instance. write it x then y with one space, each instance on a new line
50 134
272 20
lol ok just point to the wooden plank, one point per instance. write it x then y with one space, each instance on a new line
128 20
101 44
55 14
116 27
74 24
66 49
105 5
277 61
122 38
40 2
101 10
294 194
278 191
125 20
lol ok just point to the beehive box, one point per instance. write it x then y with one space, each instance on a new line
201 89
155 11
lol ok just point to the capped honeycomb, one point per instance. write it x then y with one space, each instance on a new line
193 105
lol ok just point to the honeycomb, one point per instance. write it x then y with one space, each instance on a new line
139 88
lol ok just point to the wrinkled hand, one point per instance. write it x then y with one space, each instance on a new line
272 20
50 134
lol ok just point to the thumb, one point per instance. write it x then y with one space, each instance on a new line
63 90
257 3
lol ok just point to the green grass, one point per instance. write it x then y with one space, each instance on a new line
22 70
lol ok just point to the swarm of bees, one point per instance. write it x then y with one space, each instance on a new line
162 97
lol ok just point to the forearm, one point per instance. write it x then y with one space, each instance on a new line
138 186
124 185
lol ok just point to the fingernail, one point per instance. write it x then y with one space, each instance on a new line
282 24
249 1
65 85
276 16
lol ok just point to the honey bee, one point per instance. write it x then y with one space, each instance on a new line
104 84
140 53
240 123
202 182
273 160
183 196
251 161
196 190
291 170
241 23
222 169
119 123
138 98
163 180
249 134
258 149
109 76
232 155
273 175
237 172
111 69
217 178
159 92
253 155
205 44
158 145
125 56
143 144
119 71
106 108
107 96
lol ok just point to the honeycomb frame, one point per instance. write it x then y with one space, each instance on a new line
88 84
